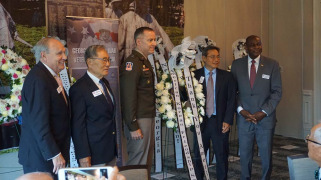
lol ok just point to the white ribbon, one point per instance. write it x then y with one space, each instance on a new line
158 127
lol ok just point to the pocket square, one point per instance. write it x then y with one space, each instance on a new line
265 76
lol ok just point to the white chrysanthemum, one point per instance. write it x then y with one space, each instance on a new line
165 100
199 86
20 110
157 65
179 73
188 122
5 67
198 90
164 76
4 113
161 109
165 92
195 81
181 82
159 93
200 118
202 102
160 86
202 112
23 62
168 85
170 124
170 114
192 74
168 107
199 95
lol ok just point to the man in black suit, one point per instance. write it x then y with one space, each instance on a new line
219 89
93 112
45 130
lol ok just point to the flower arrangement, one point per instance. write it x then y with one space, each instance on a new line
14 69
165 101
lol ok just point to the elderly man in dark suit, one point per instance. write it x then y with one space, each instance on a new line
45 130
93 112
259 92
219 89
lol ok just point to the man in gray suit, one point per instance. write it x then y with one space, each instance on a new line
259 92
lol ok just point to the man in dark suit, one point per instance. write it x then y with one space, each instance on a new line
219 89
93 112
259 92
45 130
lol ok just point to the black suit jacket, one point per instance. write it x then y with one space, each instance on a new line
45 129
225 95
93 122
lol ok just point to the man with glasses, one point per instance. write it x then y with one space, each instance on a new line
93 112
314 145
259 92
219 89
45 131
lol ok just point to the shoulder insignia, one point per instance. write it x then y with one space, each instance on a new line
129 66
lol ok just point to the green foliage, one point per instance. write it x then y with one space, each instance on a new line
31 35
176 34
9 150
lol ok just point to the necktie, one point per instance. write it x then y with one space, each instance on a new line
252 73
62 87
210 96
107 95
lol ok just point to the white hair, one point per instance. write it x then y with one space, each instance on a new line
42 46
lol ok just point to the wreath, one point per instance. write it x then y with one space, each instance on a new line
14 70
164 98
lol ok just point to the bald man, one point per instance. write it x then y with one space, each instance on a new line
314 145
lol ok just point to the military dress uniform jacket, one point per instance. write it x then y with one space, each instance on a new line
137 89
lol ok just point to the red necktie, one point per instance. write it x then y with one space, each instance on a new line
252 73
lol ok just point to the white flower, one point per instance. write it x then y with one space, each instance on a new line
199 95
5 67
195 81
168 85
202 102
181 82
192 74
4 113
201 111
165 100
161 109
165 92
170 124
171 114
20 110
200 118
168 107
159 93
164 76
188 122
23 62
160 86
199 86
198 90
179 73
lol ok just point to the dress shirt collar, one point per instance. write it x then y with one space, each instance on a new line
94 78
50 70
257 59
207 72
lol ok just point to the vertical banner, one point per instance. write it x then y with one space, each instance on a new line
158 127
83 32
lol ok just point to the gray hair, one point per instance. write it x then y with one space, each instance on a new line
91 51
42 46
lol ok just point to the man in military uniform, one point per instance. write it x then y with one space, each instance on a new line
138 99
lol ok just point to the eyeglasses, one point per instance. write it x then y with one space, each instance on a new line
214 57
307 139
106 60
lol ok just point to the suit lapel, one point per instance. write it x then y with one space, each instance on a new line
93 87
53 81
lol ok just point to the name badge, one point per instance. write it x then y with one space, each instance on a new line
59 89
97 93
201 80
265 76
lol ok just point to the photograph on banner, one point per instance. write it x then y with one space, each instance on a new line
22 24
58 10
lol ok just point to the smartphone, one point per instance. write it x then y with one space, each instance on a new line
87 173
